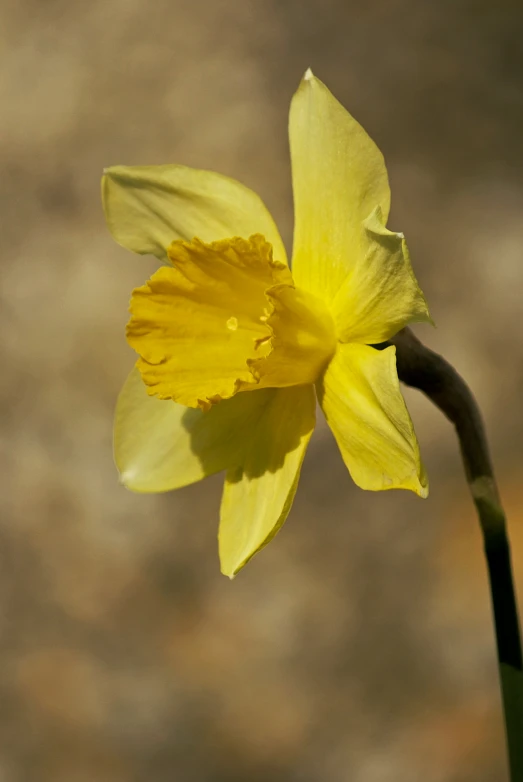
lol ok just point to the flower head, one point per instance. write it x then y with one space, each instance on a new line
234 348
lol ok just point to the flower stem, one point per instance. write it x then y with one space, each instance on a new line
430 373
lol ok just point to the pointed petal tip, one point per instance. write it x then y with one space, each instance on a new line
418 486
125 477
309 80
230 571
129 480
422 489
110 170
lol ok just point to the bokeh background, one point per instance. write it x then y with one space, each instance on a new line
358 646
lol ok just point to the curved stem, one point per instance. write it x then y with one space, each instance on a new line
430 373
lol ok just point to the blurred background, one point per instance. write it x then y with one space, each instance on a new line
358 647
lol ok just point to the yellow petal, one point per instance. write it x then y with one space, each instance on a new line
259 493
148 207
363 405
160 445
197 324
380 294
339 177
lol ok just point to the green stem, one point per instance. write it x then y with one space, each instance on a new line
430 373
497 551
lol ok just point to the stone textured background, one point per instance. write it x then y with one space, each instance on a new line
358 647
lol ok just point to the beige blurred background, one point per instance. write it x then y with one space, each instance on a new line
358 646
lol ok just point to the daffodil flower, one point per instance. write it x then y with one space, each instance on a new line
234 348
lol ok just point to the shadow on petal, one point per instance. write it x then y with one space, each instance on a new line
255 429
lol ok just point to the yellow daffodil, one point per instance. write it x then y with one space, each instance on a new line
234 349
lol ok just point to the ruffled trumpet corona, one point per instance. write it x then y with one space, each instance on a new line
234 347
